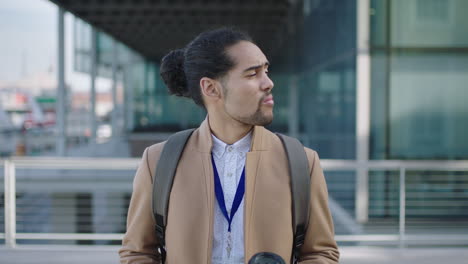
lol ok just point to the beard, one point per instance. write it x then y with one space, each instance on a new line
259 118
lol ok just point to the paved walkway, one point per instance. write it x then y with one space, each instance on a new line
350 255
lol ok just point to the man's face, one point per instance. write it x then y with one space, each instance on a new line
247 88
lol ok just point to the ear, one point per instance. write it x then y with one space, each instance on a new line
210 88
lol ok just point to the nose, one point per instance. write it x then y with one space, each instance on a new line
267 84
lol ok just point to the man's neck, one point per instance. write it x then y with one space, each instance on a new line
228 131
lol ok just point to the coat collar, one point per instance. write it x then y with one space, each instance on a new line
204 142
241 146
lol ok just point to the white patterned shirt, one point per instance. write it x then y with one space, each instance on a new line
228 248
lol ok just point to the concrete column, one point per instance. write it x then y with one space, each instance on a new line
362 110
93 74
60 107
128 98
10 203
125 106
115 107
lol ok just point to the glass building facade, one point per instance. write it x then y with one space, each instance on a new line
419 79
324 69
419 74
327 83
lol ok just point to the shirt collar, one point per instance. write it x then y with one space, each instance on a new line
241 146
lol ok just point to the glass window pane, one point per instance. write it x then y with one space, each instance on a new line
429 23
428 106
327 82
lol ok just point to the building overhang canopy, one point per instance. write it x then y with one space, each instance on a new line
153 28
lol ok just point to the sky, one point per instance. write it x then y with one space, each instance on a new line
28 43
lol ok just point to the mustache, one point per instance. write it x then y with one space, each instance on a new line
265 96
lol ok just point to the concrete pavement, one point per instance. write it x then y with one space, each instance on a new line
350 255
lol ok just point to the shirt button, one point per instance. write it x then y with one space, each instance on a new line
229 148
229 174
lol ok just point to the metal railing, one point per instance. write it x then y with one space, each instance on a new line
403 167
12 165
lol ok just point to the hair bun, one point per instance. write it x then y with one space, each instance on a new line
173 74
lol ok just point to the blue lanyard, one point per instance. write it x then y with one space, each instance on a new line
220 194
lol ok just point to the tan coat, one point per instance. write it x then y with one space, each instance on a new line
267 210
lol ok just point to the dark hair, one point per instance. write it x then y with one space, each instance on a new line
205 56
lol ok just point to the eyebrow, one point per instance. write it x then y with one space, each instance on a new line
257 66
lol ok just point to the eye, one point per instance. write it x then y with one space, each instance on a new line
252 74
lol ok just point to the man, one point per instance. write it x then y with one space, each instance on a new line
227 74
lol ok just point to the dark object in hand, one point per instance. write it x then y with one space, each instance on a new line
266 258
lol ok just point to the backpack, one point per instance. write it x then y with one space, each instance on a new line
300 186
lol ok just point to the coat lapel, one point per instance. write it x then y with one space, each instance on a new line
252 170
203 145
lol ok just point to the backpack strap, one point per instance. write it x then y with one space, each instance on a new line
300 189
163 179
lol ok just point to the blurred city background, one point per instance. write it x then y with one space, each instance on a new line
378 87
